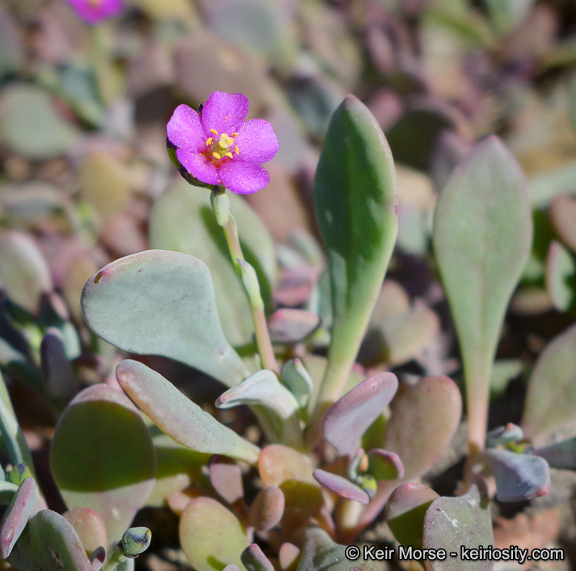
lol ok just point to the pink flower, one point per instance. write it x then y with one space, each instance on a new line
94 11
218 146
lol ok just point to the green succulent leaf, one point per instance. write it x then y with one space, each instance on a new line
482 239
49 543
355 200
320 552
551 397
161 303
178 416
102 457
203 525
453 523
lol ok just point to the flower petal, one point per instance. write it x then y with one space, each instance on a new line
243 178
92 14
185 130
256 141
224 112
199 166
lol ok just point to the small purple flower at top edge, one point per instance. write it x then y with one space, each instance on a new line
218 146
94 11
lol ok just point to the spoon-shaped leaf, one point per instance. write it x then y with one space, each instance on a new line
211 536
49 542
551 396
518 477
178 416
482 238
405 512
102 457
355 200
267 508
452 523
347 419
161 303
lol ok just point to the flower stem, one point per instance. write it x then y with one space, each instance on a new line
248 276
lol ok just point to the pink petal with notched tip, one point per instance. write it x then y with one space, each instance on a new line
256 141
185 131
224 112
199 166
243 178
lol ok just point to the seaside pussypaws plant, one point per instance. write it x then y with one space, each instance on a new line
302 448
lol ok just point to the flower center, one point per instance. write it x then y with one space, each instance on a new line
94 3
221 145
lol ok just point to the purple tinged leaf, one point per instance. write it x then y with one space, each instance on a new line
384 465
519 477
287 556
405 512
341 486
226 479
348 418
97 558
423 421
562 215
49 542
57 373
292 325
178 416
90 528
267 509
255 560
560 455
452 523
25 504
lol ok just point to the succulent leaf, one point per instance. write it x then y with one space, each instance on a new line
161 303
178 416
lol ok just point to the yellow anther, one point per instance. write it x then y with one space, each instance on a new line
237 150
225 141
216 156
209 141
229 155
235 134
214 131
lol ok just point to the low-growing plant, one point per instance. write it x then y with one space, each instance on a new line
332 451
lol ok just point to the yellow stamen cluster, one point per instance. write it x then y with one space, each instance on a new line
220 144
